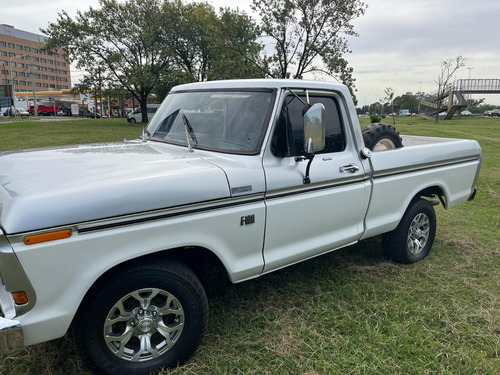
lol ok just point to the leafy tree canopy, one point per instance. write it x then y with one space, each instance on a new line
154 44
309 36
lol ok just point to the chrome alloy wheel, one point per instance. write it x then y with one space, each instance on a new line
144 324
418 234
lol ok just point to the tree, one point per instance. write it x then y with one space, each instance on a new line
389 97
309 36
406 101
448 70
145 45
207 46
234 48
123 38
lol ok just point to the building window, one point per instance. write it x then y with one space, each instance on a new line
43 68
21 65
44 76
3 53
3 44
51 70
11 45
63 64
36 59
42 60
46 85
19 47
12 54
35 50
50 61
27 49
38 84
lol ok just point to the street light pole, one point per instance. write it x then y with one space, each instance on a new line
35 106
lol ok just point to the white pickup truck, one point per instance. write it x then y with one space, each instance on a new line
254 175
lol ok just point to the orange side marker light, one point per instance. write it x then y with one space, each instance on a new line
44 237
20 298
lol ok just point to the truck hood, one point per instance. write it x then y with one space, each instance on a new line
52 187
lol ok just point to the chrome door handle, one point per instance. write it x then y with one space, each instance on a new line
353 168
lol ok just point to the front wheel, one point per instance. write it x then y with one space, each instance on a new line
143 318
412 239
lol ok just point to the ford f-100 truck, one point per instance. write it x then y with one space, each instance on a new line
255 175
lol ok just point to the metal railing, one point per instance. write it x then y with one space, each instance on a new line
477 85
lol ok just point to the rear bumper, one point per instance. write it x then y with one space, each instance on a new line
11 335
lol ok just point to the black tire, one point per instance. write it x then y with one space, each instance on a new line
132 120
412 239
379 136
142 318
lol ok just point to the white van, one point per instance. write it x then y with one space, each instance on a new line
136 115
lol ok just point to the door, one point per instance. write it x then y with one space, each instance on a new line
307 219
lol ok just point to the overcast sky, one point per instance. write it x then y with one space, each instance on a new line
401 43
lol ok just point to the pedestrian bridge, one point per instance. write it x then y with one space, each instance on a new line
455 95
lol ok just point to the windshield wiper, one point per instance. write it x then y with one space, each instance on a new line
189 132
145 133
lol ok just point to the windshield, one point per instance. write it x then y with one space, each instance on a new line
226 121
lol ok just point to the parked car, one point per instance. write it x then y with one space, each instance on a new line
136 116
19 112
93 115
495 113
466 113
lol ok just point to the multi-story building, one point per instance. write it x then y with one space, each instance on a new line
25 64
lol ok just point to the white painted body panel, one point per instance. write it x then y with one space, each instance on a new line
124 201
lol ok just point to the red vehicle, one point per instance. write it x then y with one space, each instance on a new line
44 110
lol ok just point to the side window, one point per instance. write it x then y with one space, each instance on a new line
288 138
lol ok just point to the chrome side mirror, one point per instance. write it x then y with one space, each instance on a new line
314 128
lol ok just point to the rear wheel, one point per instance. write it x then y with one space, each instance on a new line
380 136
132 120
143 318
412 239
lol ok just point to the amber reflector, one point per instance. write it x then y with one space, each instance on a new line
51 236
20 298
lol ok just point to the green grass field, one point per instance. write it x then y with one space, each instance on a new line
348 312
